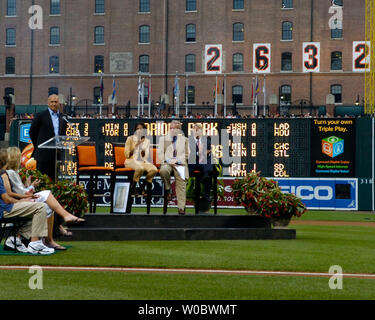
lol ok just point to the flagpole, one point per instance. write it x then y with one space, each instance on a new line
264 95
139 95
143 96
253 97
215 112
101 94
149 97
113 98
186 93
225 95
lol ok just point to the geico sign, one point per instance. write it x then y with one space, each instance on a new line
309 192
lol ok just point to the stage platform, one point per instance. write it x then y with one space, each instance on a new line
117 227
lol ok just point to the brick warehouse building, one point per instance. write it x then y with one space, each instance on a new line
160 37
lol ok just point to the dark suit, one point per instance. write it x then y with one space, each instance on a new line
42 130
202 164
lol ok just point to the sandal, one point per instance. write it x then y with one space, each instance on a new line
77 221
65 232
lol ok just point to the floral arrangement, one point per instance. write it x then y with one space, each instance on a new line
264 197
72 196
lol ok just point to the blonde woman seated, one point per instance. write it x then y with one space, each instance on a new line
19 191
137 151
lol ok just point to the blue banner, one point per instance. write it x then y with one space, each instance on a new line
324 193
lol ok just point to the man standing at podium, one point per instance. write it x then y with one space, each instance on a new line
46 125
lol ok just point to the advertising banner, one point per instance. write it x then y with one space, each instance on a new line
333 148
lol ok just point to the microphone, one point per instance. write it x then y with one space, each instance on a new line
71 124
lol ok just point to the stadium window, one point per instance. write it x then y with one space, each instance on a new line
238 4
237 93
99 64
55 7
336 33
55 35
285 95
96 99
287 30
54 65
336 60
53 90
10 37
99 34
144 62
191 94
10 65
191 5
145 94
11 8
286 61
190 63
287 4
238 32
144 34
144 5
336 90
99 6
338 3
190 33
8 91
237 62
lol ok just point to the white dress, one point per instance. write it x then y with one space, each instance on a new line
19 187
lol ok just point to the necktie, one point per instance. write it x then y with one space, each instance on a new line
197 151
174 146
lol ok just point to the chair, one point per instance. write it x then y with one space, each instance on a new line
197 174
13 224
87 165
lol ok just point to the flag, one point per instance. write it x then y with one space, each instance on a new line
113 90
149 89
101 89
256 89
139 86
264 85
252 91
176 88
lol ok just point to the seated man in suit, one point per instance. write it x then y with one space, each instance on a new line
173 153
137 151
200 160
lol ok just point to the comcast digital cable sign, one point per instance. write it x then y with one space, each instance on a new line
333 147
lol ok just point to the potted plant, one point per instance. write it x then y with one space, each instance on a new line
264 197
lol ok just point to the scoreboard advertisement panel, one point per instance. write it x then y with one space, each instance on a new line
333 148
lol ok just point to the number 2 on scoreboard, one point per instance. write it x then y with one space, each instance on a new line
213 60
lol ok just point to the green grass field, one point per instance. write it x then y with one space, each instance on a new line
315 250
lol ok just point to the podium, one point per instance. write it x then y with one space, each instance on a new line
65 150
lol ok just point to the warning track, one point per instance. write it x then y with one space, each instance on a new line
193 271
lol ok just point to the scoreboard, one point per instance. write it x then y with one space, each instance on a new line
276 147
279 148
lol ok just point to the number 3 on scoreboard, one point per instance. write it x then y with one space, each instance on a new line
213 58
361 56
311 56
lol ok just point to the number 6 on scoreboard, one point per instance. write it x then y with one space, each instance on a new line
213 58
261 58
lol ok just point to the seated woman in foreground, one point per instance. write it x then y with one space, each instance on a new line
19 190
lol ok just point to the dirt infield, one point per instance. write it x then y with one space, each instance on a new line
333 223
194 271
